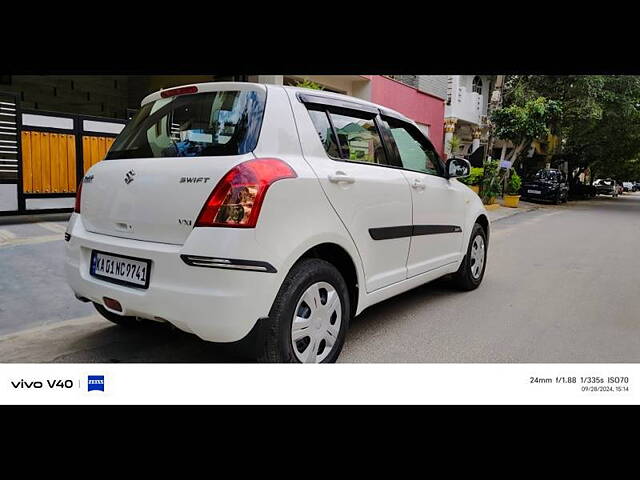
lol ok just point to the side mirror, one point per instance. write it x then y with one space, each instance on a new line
457 168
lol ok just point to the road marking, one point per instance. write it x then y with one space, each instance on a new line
6 235
55 324
54 227
31 240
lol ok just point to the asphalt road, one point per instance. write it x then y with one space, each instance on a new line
561 285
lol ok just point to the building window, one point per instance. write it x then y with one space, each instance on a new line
410 80
477 85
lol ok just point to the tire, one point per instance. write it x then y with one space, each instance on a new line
306 281
464 278
115 318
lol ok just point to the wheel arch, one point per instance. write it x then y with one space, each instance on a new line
342 260
484 223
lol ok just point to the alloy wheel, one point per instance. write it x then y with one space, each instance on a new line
316 323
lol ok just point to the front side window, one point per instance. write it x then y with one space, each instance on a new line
203 124
415 152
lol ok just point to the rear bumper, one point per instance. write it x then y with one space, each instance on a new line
219 305
543 195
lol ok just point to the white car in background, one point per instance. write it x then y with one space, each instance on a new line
270 214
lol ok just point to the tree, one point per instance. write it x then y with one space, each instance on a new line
599 120
521 124
306 83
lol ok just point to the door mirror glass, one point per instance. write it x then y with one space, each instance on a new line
458 167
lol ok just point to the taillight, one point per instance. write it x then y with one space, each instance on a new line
237 198
78 196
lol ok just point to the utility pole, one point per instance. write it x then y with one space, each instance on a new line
494 103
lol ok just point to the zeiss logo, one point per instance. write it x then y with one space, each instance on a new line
96 382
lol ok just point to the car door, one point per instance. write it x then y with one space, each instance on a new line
438 203
344 148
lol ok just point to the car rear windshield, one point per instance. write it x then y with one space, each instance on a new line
547 175
203 124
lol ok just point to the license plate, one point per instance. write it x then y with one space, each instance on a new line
120 269
534 191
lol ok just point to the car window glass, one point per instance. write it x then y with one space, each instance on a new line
325 132
359 139
415 153
196 125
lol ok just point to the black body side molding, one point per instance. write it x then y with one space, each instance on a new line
386 233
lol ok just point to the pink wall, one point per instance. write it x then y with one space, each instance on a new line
419 107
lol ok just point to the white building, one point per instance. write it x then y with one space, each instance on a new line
466 111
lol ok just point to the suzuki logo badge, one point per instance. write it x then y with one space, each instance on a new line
128 178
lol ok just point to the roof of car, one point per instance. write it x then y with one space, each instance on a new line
347 98
216 86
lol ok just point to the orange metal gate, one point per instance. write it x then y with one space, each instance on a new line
56 156
48 162
94 149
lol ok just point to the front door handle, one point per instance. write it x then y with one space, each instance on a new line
341 177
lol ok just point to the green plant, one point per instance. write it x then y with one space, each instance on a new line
454 144
475 176
514 183
490 181
306 83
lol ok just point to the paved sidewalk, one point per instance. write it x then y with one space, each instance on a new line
504 212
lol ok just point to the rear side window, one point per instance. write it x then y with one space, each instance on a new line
203 124
325 132
358 139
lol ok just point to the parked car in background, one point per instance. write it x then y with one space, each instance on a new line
546 184
627 186
233 211
606 186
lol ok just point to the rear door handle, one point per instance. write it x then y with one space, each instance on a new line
341 177
418 184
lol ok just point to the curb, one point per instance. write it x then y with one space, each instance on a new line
516 212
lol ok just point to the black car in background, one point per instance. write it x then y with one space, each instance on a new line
547 184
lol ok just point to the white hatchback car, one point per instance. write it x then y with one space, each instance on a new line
269 214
